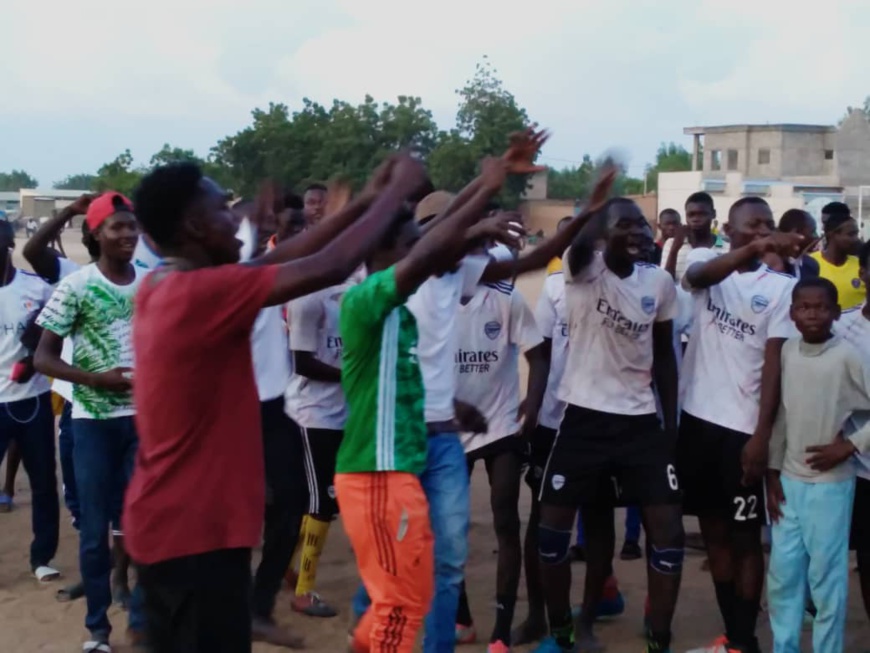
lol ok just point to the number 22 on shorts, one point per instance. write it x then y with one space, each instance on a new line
745 508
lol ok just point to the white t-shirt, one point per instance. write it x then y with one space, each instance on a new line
491 329
313 323
610 329
97 315
720 380
65 267
434 306
20 300
144 257
682 256
552 322
854 328
270 353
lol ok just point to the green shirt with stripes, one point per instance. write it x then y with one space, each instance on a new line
385 429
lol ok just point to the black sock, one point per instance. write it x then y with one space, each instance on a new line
562 629
504 617
463 613
658 641
745 619
726 597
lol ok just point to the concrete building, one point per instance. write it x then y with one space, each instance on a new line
42 203
790 165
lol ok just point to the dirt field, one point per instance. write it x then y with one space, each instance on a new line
31 620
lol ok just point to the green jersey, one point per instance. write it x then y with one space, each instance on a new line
97 315
385 430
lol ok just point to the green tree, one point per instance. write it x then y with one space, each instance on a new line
169 154
317 143
670 157
118 175
571 183
488 113
16 180
81 181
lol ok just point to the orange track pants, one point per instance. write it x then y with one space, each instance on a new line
386 517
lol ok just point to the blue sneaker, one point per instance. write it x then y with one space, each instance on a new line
607 609
549 645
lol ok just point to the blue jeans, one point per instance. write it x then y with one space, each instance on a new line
67 469
103 455
445 482
30 423
810 544
632 526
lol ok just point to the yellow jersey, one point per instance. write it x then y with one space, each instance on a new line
555 265
845 277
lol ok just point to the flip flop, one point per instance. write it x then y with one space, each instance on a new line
96 647
70 592
46 574
5 502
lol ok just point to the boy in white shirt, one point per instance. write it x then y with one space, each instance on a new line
315 401
25 401
729 389
811 482
611 447
493 326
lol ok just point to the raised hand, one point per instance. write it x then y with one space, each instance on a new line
337 197
380 178
787 245
601 191
81 204
524 147
493 172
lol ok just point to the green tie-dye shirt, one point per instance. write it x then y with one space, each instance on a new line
97 315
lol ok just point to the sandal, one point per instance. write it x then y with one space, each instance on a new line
46 574
96 647
5 502
70 592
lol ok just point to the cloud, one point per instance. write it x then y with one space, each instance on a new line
102 76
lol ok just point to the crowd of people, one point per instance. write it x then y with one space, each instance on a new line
237 374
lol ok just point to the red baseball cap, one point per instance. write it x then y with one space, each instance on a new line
105 206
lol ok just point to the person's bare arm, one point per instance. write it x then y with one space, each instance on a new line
326 230
348 249
37 250
665 373
308 366
538 359
47 361
709 273
443 244
674 251
557 244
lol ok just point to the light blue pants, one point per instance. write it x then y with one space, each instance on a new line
810 547
445 483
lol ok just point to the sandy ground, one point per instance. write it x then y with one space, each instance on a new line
31 620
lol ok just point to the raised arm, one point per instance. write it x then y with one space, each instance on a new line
714 271
348 248
443 244
37 250
325 231
555 246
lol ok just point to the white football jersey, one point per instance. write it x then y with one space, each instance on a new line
720 380
854 328
270 354
20 300
553 323
610 325
434 307
313 323
492 328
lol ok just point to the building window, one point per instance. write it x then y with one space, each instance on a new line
732 159
829 155
715 159
763 157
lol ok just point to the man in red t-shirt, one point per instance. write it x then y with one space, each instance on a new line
194 508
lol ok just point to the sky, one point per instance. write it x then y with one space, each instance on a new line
84 80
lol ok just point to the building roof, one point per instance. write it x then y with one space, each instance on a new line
781 127
8 196
52 193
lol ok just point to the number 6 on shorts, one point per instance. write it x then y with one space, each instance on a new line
672 478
